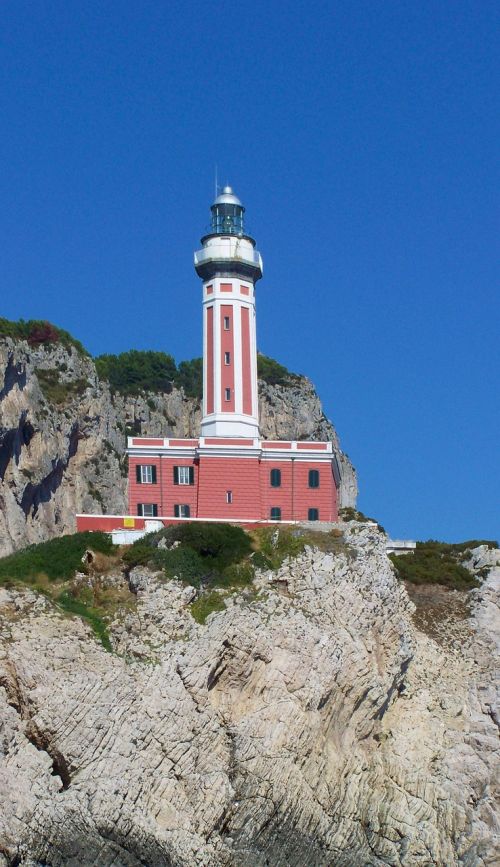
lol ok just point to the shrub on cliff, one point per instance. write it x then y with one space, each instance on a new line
58 392
199 553
39 332
435 562
135 371
220 544
273 372
189 376
57 559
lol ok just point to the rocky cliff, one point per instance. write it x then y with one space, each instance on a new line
63 434
309 724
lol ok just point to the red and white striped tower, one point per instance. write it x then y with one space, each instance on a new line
229 266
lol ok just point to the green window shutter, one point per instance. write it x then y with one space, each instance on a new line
176 511
153 472
138 473
275 478
313 478
155 510
176 476
139 508
187 511
191 475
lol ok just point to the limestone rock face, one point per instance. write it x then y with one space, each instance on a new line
63 435
309 724
61 449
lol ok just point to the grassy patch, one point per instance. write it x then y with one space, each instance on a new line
435 562
57 392
72 605
235 577
205 605
274 544
49 568
57 559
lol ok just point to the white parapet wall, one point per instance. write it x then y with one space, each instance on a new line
400 546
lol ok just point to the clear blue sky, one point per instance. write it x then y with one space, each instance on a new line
362 138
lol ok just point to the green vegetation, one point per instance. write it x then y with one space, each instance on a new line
138 371
220 544
274 544
73 605
201 554
130 372
210 555
183 563
190 377
57 559
39 332
217 559
435 562
350 514
58 392
273 372
207 604
49 568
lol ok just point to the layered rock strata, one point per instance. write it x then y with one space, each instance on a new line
308 724
63 436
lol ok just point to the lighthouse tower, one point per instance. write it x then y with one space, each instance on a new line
229 266
226 471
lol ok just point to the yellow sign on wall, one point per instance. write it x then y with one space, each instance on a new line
129 522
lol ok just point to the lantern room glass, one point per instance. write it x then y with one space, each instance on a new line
227 219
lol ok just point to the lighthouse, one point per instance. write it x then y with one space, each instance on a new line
226 471
229 266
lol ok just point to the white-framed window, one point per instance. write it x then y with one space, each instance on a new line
227 323
183 475
182 510
229 497
227 358
147 510
145 474
227 394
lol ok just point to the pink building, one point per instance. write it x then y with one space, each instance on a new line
228 473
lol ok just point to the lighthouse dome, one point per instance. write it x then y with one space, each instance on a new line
227 197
